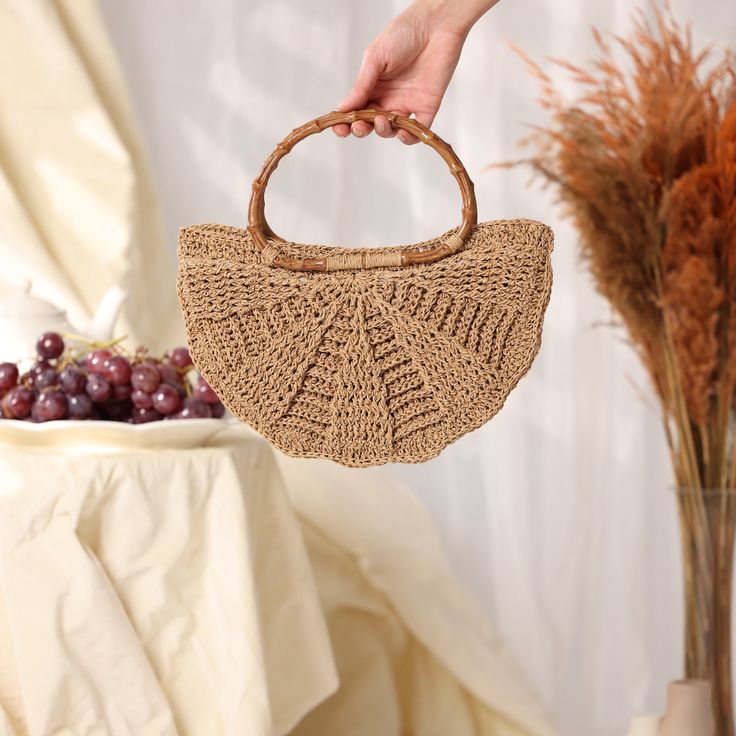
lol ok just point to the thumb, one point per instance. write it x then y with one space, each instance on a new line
360 93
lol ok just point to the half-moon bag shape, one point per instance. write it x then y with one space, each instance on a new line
369 355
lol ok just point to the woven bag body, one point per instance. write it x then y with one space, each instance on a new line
369 355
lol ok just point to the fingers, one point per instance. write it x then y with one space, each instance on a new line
404 135
407 138
383 127
360 129
360 96
425 118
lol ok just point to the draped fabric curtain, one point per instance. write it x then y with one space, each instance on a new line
78 207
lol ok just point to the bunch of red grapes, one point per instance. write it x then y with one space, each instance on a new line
105 383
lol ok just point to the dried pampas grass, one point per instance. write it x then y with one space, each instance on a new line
643 161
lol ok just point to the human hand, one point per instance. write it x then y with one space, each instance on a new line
407 68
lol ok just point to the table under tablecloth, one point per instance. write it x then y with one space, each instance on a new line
227 589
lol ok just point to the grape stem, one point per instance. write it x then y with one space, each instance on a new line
93 343
88 345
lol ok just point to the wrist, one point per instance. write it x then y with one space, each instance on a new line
458 16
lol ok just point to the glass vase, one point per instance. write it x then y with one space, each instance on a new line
707 525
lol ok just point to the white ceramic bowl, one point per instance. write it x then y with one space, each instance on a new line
91 434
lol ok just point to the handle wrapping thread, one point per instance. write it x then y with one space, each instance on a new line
270 253
364 259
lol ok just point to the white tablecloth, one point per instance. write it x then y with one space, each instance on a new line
148 589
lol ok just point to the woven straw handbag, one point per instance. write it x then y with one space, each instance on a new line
364 355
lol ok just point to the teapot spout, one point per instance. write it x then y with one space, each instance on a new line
103 323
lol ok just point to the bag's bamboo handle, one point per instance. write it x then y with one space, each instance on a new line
262 233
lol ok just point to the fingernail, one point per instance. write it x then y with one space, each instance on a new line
358 132
380 126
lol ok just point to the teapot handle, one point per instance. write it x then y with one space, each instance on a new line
106 316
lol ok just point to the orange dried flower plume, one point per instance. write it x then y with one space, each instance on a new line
643 162
693 292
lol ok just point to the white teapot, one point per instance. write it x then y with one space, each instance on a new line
24 317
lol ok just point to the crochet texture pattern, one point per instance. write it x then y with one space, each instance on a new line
365 366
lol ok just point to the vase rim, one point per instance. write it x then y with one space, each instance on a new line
683 490
690 682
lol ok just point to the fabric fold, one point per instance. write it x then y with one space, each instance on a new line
66 618
388 532
156 589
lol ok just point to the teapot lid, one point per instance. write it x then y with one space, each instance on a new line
19 302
